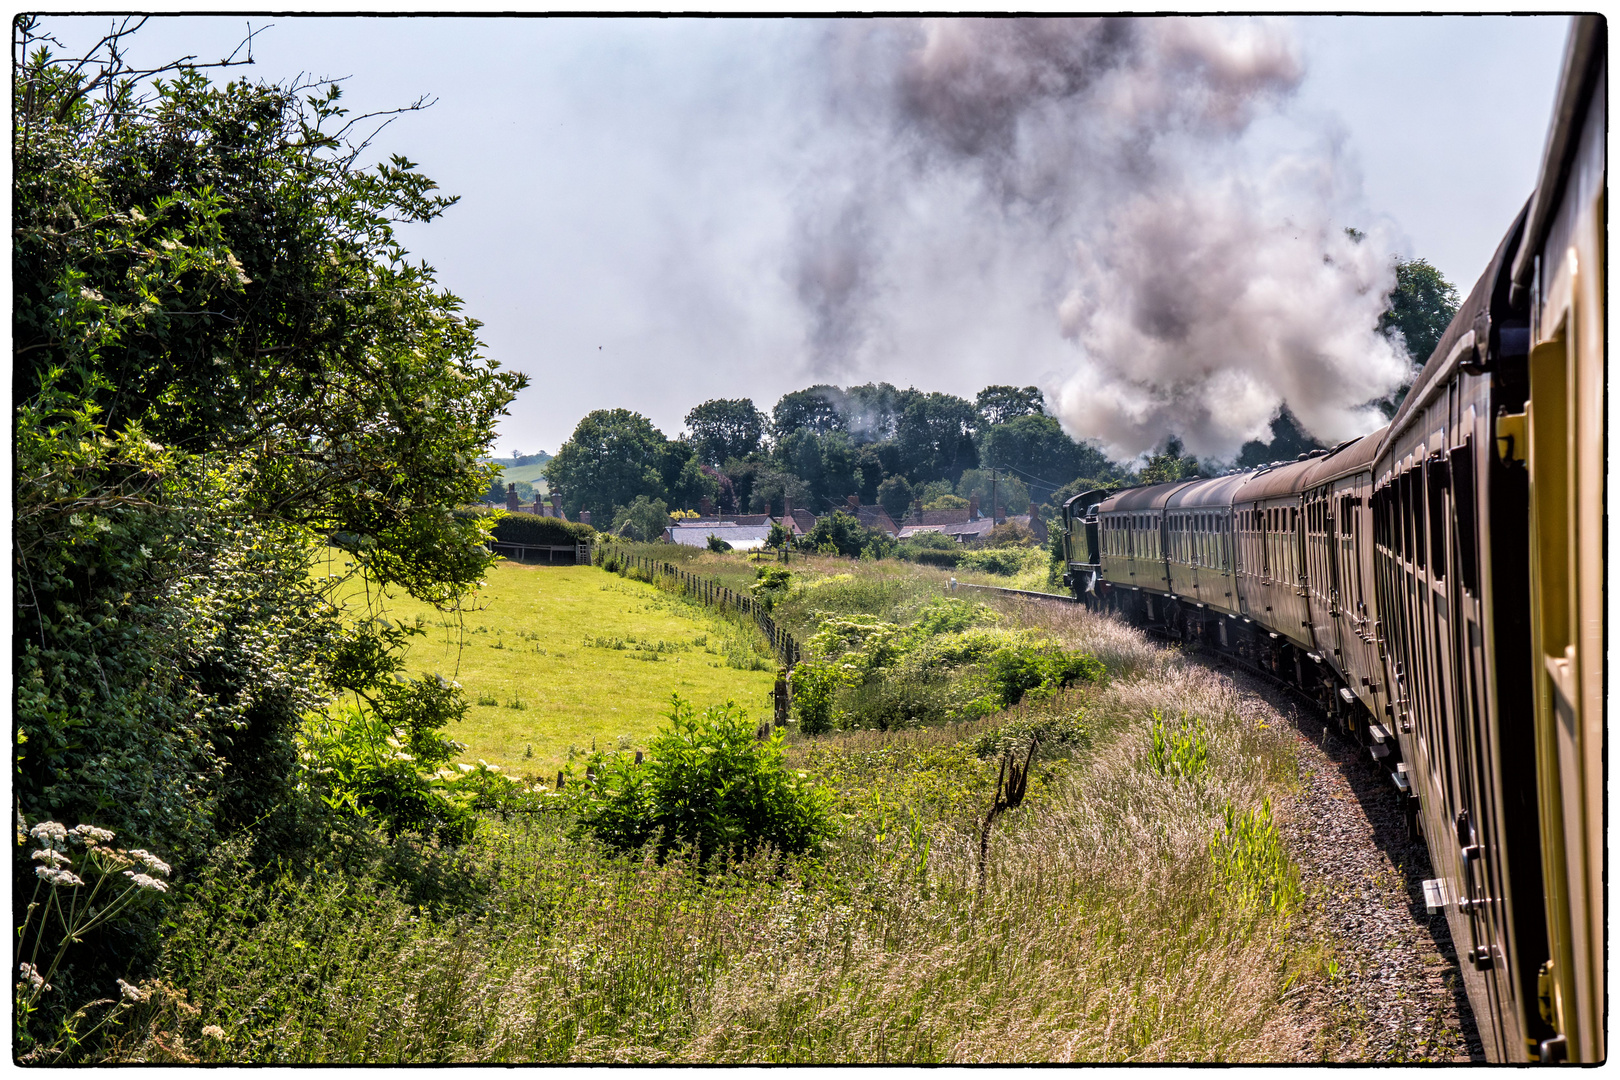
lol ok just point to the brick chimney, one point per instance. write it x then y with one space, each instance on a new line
706 506
787 511
1001 513
973 508
539 506
916 509
511 498
585 517
854 501
556 506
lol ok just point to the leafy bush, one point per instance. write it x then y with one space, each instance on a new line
1017 669
839 533
718 545
770 584
644 519
1004 561
930 549
708 782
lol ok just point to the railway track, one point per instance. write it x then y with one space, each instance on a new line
1398 993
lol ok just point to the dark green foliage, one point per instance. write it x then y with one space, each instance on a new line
613 456
723 429
708 783
1288 441
895 496
930 549
1040 452
1016 670
839 533
934 436
533 529
223 356
999 560
998 404
815 410
1169 465
999 489
718 545
1420 308
1057 552
644 519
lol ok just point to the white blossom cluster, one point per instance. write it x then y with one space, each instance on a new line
151 862
53 876
132 993
145 881
32 977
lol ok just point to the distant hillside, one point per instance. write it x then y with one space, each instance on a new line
532 473
524 469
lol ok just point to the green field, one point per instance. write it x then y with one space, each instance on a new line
534 474
553 658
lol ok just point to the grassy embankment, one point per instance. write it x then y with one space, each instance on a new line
554 658
1137 907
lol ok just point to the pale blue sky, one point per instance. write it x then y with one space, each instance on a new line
632 190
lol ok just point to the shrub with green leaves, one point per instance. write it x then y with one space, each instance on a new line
708 783
1005 561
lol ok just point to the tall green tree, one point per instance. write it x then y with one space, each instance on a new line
1169 465
725 428
934 437
613 456
998 404
817 409
1040 452
1420 308
222 357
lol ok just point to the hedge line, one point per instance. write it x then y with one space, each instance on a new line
537 530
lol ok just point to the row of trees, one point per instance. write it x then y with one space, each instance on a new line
820 445
894 447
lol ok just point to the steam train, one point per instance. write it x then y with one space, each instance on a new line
1437 587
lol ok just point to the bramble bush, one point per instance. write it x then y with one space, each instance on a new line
708 783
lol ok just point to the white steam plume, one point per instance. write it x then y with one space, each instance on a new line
1198 289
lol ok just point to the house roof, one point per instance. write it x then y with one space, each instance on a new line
875 517
741 537
940 517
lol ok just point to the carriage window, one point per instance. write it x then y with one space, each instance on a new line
1462 495
1437 473
1415 488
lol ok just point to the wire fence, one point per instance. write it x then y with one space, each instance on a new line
719 596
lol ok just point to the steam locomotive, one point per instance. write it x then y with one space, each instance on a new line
1437 586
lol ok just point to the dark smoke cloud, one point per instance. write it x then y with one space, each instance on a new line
1100 167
